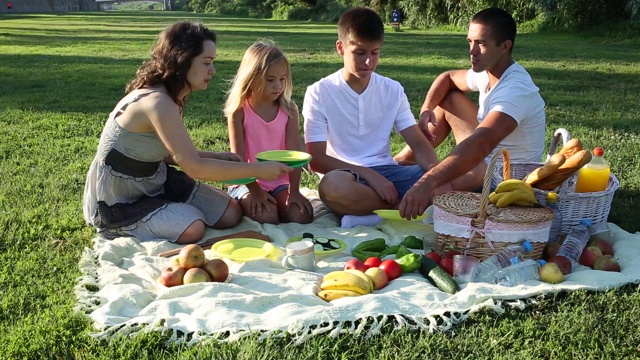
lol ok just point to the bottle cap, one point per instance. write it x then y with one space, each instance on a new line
598 151
552 197
542 262
586 222
527 246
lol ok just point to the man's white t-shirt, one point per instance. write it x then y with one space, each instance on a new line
356 126
516 95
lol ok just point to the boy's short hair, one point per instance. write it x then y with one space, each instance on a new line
360 23
502 24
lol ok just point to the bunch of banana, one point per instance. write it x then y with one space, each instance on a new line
338 284
513 192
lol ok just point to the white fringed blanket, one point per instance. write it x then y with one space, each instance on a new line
120 293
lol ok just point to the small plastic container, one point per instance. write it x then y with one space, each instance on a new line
594 176
519 273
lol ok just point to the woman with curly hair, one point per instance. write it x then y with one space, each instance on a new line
132 187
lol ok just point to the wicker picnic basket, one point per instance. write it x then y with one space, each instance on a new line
467 221
573 206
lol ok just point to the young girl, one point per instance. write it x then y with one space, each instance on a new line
132 189
261 116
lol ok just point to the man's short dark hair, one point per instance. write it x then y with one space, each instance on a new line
360 23
502 24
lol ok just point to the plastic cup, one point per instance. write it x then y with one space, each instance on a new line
464 268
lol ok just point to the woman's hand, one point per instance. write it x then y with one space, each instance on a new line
271 170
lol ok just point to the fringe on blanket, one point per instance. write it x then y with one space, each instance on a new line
87 286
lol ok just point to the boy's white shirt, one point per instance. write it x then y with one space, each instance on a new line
516 95
356 127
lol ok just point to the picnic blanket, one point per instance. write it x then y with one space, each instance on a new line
120 293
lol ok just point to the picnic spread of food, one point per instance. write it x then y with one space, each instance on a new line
533 221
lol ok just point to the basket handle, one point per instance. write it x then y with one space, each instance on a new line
486 187
560 133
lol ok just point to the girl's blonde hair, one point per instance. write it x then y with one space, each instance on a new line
254 65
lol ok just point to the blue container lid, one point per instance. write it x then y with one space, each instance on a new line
527 246
542 262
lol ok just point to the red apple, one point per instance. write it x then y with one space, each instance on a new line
447 264
378 276
372 262
196 275
563 263
603 245
355 264
392 268
607 263
433 255
589 256
191 256
172 275
550 250
217 270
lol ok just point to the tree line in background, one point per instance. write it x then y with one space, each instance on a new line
555 14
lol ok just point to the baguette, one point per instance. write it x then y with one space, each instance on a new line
546 169
570 166
571 147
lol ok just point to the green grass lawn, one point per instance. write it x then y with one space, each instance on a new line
61 74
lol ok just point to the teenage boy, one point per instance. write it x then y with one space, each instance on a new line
510 113
348 119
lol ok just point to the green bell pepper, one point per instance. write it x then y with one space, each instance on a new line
412 242
409 263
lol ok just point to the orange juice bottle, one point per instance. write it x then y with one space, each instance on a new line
594 176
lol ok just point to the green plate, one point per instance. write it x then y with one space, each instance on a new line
244 249
323 252
395 215
289 157
240 181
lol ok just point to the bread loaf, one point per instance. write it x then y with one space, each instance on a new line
546 169
571 147
570 166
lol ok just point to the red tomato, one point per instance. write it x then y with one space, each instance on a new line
392 268
451 254
447 264
433 255
373 261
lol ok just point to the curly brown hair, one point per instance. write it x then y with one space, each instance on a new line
171 58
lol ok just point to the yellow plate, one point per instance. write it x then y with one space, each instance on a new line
297 158
244 249
395 215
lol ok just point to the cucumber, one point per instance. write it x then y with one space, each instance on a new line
438 276
307 235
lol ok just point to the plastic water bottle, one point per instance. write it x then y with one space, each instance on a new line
511 255
575 242
600 230
556 224
519 273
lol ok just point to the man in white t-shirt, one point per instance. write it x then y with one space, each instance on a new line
510 113
348 119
